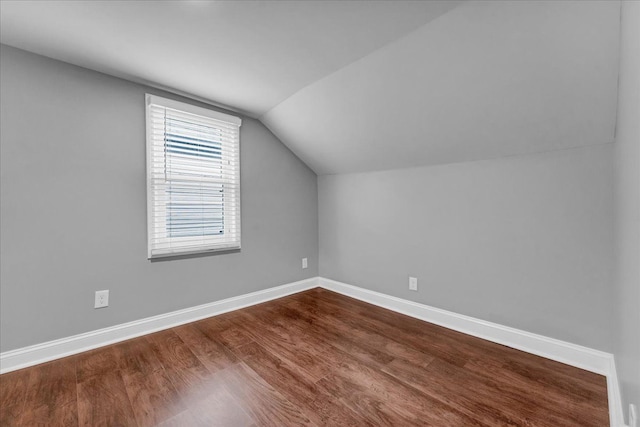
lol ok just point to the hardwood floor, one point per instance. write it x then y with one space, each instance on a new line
313 358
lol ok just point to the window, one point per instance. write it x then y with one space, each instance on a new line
193 179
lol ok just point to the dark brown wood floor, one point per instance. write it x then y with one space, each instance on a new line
314 358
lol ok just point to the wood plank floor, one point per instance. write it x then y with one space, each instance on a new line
313 358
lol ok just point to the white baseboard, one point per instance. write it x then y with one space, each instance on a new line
571 354
550 348
40 353
616 408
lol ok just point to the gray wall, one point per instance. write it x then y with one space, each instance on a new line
73 214
626 314
521 241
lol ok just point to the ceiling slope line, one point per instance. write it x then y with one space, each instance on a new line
456 3
484 81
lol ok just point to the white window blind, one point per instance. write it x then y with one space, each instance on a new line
193 179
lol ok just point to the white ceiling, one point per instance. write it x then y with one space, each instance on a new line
249 55
359 85
485 80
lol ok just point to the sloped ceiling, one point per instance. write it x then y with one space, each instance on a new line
485 80
360 86
249 55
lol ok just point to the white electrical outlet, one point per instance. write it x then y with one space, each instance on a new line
413 283
305 264
102 299
633 416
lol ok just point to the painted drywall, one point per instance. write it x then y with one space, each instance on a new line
626 314
525 241
247 54
487 79
73 212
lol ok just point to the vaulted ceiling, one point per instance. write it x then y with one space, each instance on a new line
249 55
358 86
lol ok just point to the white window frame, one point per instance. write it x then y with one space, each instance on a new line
159 243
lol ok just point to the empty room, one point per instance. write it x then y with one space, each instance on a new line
322 213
